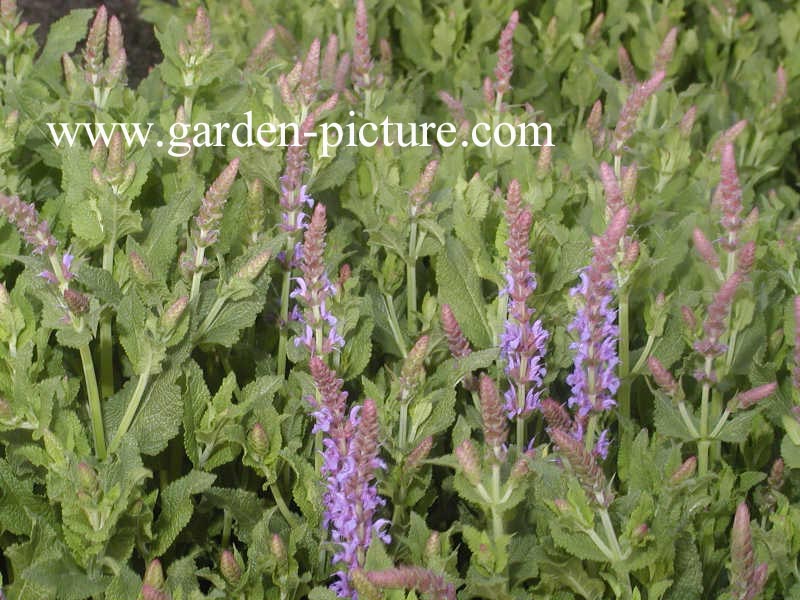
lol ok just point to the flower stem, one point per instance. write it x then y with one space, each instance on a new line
411 279
497 514
133 405
281 504
95 411
394 324
106 340
703 444
198 274
284 312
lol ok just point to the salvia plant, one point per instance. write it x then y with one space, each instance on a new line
567 371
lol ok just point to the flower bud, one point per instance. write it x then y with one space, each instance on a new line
750 397
171 316
230 568
704 248
77 302
258 440
662 376
154 574
687 121
689 318
412 373
419 454
522 467
433 545
140 269
365 589
638 534
685 471
87 477
562 505
278 549
151 593
776 475
468 461
253 267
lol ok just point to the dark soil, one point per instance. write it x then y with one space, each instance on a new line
140 43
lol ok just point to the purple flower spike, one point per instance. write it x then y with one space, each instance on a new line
523 342
594 380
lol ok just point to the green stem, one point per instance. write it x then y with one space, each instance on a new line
95 411
284 312
497 514
624 357
106 340
133 405
411 279
210 317
281 504
403 429
394 324
198 274
226 528
648 348
703 444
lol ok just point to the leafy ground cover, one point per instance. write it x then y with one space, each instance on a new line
393 372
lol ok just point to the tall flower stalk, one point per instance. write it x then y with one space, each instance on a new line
350 459
75 304
314 289
594 380
523 342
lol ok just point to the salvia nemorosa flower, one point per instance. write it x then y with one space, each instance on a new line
209 217
613 193
523 342
781 86
705 248
505 56
293 195
627 71
665 51
752 396
25 218
495 424
747 579
314 289
262 52
362 56
36 234
594 381
729 197
714 325
414 578
687 121
594 124
583 464
631 109
662 376
422 189
728 137
105 36
684 471
456 341
350 459
412 373
418 454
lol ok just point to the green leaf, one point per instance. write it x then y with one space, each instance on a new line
460 287
177 507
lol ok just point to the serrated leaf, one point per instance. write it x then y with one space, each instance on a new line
460 287
177 507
